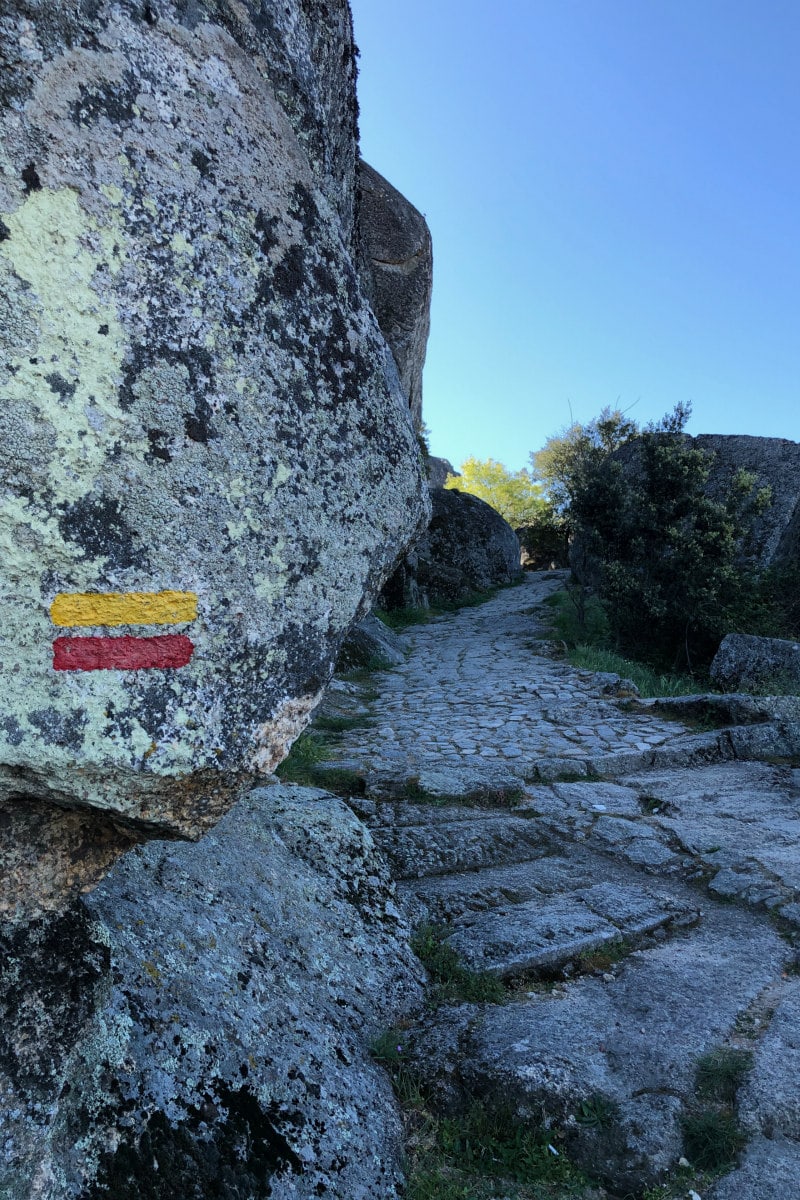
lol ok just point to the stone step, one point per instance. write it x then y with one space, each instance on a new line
439 847
543 937
610 1063
449 898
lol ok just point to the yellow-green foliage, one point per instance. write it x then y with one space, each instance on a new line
512 493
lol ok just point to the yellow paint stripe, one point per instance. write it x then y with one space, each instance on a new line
123 608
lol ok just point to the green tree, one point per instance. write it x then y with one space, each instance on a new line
667 557
512 493
569 454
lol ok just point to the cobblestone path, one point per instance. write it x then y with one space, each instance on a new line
482 689
634 881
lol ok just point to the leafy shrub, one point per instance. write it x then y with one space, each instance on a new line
666 556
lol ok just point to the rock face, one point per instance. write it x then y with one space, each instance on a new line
468 547
201 1028
776 463
371 643
438 470
744 661
397 267
209 465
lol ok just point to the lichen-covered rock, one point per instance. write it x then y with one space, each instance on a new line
201 1027
467 547
745 661
775 463
209 465
372 644
397 268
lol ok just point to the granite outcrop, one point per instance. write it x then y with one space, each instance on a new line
396 259
468 547
200 1025
209 461
757 663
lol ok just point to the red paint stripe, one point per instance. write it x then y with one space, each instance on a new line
121 653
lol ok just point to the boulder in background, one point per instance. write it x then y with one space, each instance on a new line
396 258
467 548
761 663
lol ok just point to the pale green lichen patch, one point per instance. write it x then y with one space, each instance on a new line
73 368
197 400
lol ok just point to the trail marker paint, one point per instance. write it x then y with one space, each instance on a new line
121 653
126 653
123 608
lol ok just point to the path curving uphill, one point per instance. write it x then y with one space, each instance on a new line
633 879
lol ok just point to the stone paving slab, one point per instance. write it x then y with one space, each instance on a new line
769 1102
450 897
770 1170
626 1047
542 936
435 849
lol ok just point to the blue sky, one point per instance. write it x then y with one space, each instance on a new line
613 189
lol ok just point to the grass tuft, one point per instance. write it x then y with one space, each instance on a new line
452 980
721 1072
648 681
712 1139
307 765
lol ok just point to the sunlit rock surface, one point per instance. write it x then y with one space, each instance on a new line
396 256
201 421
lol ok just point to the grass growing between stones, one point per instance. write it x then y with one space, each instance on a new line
485 1152
648 681
712 1136
451 979
414 792
307 765
721 1072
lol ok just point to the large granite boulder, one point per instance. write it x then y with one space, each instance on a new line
775 463
200 1027
759 663
467 548
397 267
209 463
438 471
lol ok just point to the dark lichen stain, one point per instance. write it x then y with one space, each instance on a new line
303 207
198 425
60 729
265 229
113 100
228 1148
203 163
96 524
13 730
31 179
49 970
60 386
289 275
159 448
151 703
5 232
